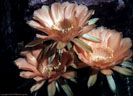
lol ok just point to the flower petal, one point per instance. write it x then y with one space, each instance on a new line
66 88
127 64
111 83
31 59
69 75
91 38
123 71
69 11
92 79
85 19
51 88
27 74
35 25
37 86
23 64
93 21
67 58
86 29
36 51
107 72
81 12
82 54
117 37
83 45
57 12
124 51
43 16
38 26
38 78
36 42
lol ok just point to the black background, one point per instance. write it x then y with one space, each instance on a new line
15 33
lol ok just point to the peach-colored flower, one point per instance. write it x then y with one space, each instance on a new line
40 70
112 50
62 22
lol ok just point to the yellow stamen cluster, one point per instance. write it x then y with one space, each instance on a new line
66 30
51 68
103 58
61 29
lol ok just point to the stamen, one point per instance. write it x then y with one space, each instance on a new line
105 54
52 68
61 29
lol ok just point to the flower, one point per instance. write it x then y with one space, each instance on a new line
62 22
40 70
106 55
112 50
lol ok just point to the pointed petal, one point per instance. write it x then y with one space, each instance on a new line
93 21
92 79
38 26
123 71
36 42
67 58
35 25
37 86
83 55
38 78
81 12
83 45
86 29
23 64
74 65
66 88
43 16
51 58
42 54
86 18
69 11
117 37
125 45
69 75
111 83
107 72
57 12
127 64
27 74
31 59
52 53
52 88
39 36
36 52
91 38
73 80
57 86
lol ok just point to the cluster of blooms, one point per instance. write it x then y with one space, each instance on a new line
71 43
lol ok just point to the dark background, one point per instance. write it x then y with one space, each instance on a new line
15 33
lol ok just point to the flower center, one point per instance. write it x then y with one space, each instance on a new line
102 54
64 26
52 68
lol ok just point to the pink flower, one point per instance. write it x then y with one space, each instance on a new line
62 22
112 50
37 66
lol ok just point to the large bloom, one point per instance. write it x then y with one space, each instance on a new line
38 67
112 50
62 22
